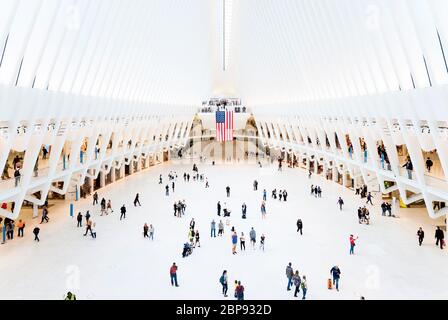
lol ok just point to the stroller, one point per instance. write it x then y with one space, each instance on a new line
227 212
187 250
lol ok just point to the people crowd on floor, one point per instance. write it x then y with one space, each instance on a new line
238 239
316 191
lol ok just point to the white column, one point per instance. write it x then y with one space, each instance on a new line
112 174
335 172
122 170
35 211
344 179
90 181
102 179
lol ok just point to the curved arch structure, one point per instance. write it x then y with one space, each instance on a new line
77 74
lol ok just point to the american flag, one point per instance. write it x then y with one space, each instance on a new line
224 126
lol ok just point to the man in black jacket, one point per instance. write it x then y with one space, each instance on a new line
421 235
439 237
409 167
79 219
123 212
299 226
429 164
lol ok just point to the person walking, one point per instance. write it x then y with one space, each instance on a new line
145 230
20 228
352 244
228 191
429 164
242 242
369 198
262 242
176 209
299 226
17 176
264 194
137 200
336 273
244 210
263 210
172 186
253 237
420 235
10 230
304 287
44 215
297 282
36 231
95 198
223 281
87 216
109 207
220 228
123 212
409 167
79 219
151 232
289 275
213 229
192 223
88 227
93 230
197 239
239 291
167 190
439 237
340 202
234 242
383 209
173 275
44 153
103 206
219 208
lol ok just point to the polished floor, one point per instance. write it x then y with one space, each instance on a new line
121 264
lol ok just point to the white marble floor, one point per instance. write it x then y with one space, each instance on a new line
121 264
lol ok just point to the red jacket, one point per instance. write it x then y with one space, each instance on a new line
173 269
352 240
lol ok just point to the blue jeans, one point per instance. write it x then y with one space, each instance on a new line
289 283
352 248
409 174
151 236
174 279
336 283
213 233
304 293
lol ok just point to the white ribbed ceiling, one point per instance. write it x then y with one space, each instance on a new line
171 51
290 50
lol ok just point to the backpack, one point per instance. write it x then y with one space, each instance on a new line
221 280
